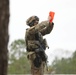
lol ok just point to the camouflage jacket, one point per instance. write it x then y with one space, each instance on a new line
41 29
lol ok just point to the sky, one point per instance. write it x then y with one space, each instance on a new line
63 35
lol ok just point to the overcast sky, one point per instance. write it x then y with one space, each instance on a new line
63 35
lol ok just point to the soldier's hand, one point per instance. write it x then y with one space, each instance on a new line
52 23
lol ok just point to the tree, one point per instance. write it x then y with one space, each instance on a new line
65 65
4 37
18 58
17 48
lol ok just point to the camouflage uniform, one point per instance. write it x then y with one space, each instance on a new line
33 45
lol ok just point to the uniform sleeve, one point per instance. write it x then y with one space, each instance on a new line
45 27
32 30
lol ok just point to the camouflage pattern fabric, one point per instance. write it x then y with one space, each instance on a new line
44 28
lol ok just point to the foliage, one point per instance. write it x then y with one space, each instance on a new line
19 63
65 66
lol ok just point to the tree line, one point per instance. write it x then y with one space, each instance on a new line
19 64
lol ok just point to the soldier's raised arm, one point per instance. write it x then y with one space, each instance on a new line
45 27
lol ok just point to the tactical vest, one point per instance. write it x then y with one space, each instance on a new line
34 41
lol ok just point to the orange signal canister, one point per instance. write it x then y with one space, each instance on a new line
51 14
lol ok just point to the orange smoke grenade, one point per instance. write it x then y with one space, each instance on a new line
51 14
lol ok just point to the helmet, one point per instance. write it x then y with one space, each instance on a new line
30 21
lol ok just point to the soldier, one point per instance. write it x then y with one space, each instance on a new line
36 44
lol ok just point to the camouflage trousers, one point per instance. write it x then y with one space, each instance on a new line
34 69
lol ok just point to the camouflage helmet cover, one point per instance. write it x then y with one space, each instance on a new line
31 19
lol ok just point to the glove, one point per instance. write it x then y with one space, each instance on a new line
52 23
